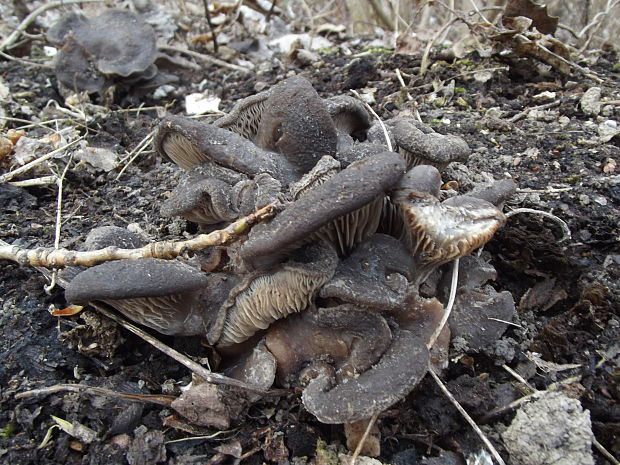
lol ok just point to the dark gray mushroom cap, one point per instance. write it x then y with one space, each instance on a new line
124 279
419 144
118 41
376 275
401 367
360 184
295 122
349 115
497 193
188 142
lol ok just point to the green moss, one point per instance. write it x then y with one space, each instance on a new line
8 431
572 179
460 90
383 50
616 66
329 51
325 455
461 102
464 62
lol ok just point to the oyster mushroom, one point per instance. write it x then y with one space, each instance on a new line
169 296
295 122
343 210
264 297
353 338
376 275
400 368
438 232
419 144
210 194
117 44
189 142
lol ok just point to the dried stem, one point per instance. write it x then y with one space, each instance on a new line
449 306
144 398
360 444
46 257
211 28
469 419
202 57
187 362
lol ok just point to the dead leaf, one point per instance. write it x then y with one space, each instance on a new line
536 12
67 311
542 296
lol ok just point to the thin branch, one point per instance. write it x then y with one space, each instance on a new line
187 362
565 229
46 257
469 419
28 20
207 58
22 169
211 28
143 398
362 441
58 227
369 108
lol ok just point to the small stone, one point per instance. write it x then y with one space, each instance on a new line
591 101
600 200
584 199
552 430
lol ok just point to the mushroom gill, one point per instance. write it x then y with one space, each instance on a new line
167 295
244 118
264 298
343 210
438 232
188 143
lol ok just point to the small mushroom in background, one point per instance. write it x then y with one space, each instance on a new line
115 47
419 144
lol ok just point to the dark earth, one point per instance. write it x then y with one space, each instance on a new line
566 289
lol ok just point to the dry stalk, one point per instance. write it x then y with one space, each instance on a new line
135 153
205 58
56 258
360 444
467 418
143 398
449 306
28 166
369 108
187 362
58 226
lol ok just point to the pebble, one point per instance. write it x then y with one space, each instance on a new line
591 101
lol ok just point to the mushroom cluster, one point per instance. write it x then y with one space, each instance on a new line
115 47
327 295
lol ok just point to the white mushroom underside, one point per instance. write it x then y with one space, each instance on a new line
269 298
348 230
164 314
438 233
245 119
182 151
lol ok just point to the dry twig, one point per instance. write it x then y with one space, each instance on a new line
565 229
360 444
202 57
46 257
469 419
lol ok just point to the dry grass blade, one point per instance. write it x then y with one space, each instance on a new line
358 449
469 419
449 306
55 258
